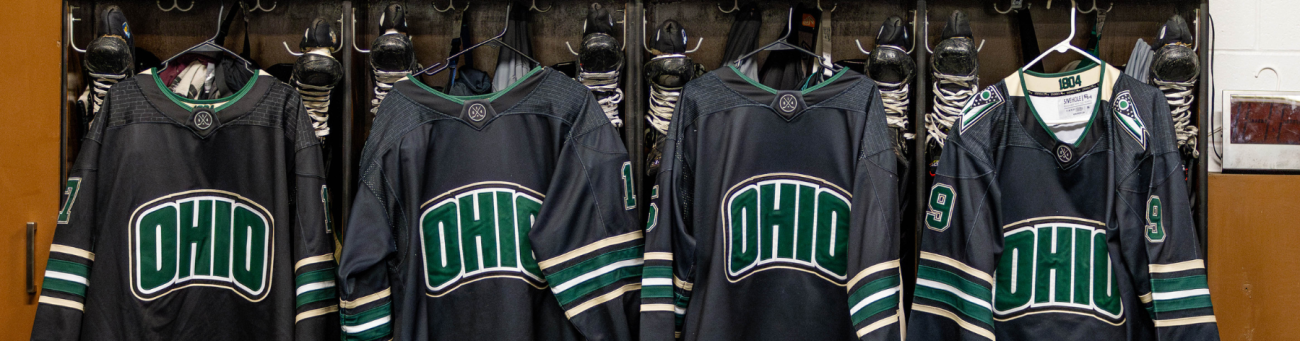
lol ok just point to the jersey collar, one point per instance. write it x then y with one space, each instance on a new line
1066 154
476 110
787 103
204 116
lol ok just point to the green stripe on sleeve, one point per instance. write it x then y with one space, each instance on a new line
322 294
872 288
884 304
64 286
322 275
591 285
559 277
943 276
967 308
367 316
1194 302
658 271
1179 284
68 267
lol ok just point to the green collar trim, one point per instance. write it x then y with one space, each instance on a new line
489 96
1095 109
189 104
805 90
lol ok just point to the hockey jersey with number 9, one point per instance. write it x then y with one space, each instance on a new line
1059 211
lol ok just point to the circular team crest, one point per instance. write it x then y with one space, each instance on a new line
203 119
788 103
477 112
1063 153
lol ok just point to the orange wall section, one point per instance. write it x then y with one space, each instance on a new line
30 97
1254 255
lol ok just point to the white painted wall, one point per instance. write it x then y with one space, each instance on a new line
1250 36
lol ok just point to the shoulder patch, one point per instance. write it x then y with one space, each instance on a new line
1126 113
979 107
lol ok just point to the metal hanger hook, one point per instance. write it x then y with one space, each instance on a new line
1013 7
1196 41
735 6
534 8
263 9
175 6
1277 76
354 32
819 6
451 5
71 19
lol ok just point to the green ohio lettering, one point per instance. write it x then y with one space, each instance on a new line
1056 267
203 237
479 232
786 221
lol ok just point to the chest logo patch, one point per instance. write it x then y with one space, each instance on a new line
1127 114
979 107
207 238
786 221
479 232
788 103
477 112
1063 153
203 119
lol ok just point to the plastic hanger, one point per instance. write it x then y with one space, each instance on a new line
782 44
1065 45
495 39
210 45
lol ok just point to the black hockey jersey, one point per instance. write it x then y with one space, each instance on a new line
1059 212
193 220
775 216
505 216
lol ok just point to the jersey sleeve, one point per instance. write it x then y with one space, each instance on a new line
1172 286
875 287
316 295
954 285
585 237
670 246
72 255
369 243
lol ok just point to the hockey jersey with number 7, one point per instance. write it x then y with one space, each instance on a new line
193 220
1059 212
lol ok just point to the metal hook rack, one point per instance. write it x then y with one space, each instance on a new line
534 7
175 6
71 19
1016 5
833 6
259 7
1094 7
354 33
735 6
451 6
